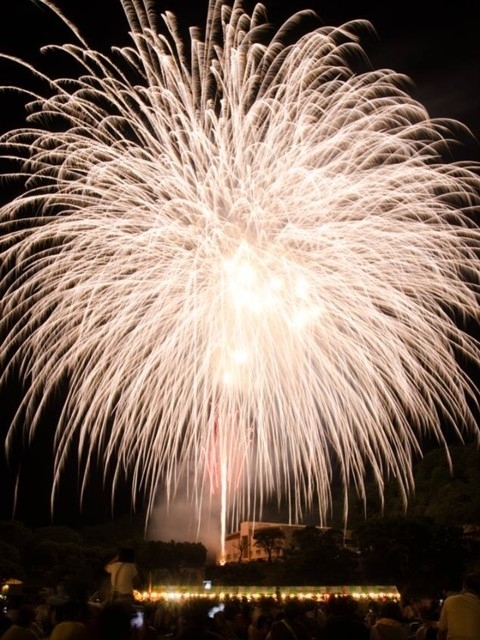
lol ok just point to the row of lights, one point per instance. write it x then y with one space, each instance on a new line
178 595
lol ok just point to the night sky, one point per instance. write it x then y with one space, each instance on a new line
436 46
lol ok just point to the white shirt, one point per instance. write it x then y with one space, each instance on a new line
122 575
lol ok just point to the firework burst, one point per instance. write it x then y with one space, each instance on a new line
247 261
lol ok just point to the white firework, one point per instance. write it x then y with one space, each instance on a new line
250 265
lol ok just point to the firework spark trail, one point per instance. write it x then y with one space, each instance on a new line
254 232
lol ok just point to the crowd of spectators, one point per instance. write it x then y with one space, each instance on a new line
338 618
235 619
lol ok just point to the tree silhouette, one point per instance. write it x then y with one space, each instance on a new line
271 540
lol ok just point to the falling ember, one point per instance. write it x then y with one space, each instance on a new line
225 469
255 249
223 509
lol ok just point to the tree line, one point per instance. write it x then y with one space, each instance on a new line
428 546
414 554
47 557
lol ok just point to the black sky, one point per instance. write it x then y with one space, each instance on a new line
435 44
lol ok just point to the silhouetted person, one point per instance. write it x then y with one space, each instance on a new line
428 629
260 627
21 628
5 622
291 625
195 624
343 622
67 623
389 624
113 622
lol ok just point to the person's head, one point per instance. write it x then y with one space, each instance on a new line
43 613
25 616
113 621
197 616
471 583
126 554
262 625
391 610
293 609
429 613
343 606
70 610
